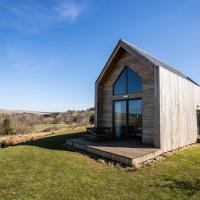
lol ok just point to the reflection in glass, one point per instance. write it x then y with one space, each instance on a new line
128 118
134 82
120 119
127 83
135 118
120 85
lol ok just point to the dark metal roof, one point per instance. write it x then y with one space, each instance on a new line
157 62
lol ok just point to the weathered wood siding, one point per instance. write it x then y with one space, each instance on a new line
104 95
179 99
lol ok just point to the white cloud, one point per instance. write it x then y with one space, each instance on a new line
33 16
70 10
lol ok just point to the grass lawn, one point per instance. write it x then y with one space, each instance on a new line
43 169
42 127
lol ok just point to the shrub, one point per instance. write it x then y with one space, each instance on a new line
22 129
48 129
7 130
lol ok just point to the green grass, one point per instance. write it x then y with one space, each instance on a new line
44 169
41 127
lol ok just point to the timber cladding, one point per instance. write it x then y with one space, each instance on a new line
179 99
105 95
170 100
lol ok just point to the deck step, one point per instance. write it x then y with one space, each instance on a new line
126 153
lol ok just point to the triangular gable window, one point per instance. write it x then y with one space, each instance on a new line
128 82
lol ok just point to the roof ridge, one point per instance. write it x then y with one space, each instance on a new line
157 61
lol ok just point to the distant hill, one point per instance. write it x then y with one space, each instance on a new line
5 111
23 121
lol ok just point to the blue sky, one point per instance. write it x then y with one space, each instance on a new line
52 51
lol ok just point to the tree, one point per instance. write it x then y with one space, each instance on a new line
7 130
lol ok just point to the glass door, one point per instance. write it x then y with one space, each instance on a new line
120 118
135 119
128 118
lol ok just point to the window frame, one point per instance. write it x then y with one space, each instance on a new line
127 109
126 69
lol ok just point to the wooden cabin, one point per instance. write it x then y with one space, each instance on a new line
139 97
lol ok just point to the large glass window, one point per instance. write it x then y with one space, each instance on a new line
134 83
120 84
120 118
135 118
127 83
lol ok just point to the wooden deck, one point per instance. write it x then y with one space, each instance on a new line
125 152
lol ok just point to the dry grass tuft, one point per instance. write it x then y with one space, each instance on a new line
17 139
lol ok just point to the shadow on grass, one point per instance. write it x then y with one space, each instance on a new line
55 142
188 187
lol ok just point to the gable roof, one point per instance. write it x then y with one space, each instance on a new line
144 57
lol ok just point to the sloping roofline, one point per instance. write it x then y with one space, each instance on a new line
143 57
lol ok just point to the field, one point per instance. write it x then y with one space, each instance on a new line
38 131
45 169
